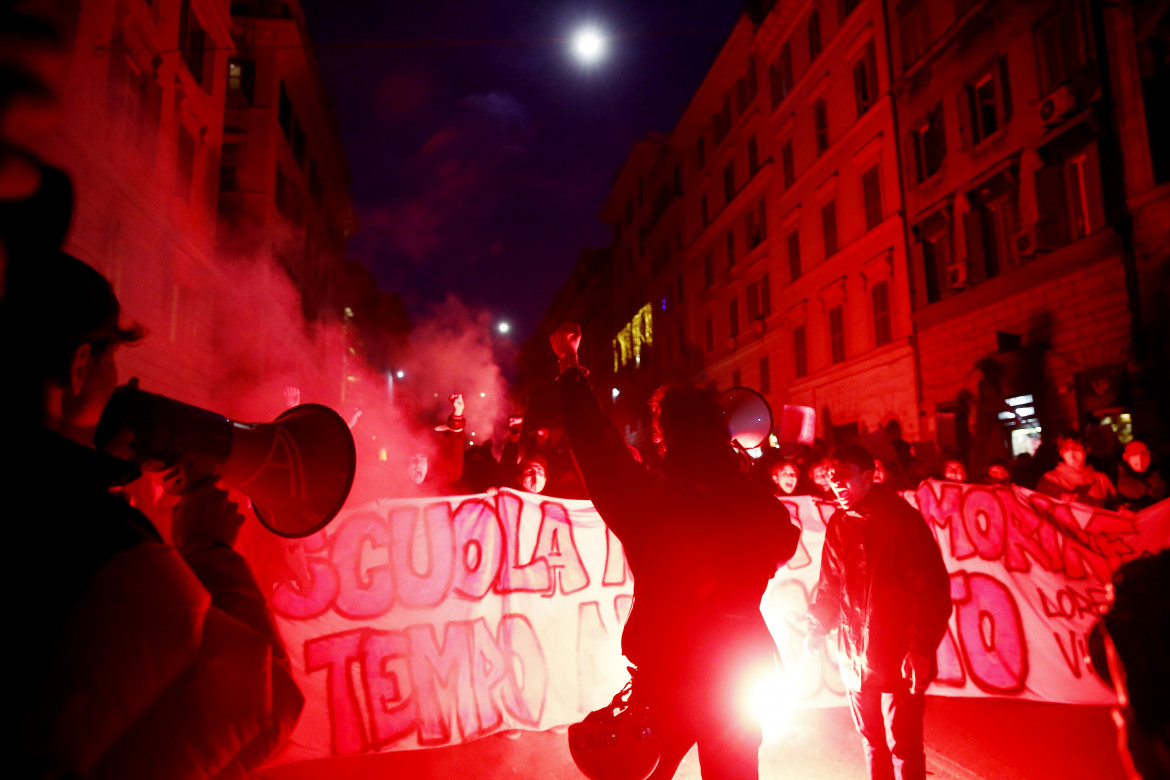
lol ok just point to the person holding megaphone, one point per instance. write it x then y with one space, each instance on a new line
134 658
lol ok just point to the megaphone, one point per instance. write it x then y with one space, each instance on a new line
748 415
297 470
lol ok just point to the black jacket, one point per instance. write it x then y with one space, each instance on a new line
701 546
883 583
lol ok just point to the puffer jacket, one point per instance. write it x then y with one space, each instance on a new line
884 585
701 548
135 661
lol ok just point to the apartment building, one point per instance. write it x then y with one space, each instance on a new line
1024 285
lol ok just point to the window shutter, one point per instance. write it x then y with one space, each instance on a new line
1052 216
976 259
964 104
871 71
1003 85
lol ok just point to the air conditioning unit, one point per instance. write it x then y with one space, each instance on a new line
1025 243
957 274
1057 105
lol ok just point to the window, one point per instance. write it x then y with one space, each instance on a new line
882 328
837 333
821 121
184 164
847 6
192 42
723 120
935 236
929 145
284 112
780 75
242 78
814 34
710 333
704 211
733 317
871 195
990 229
759 299
765 375
753 153
730 240
913 31
788 163
746 88
985 104
729 182
800 351
227 178
757 228
1068 198
1059 48
701 150
709 271
865 88
829 227
794 255
736 378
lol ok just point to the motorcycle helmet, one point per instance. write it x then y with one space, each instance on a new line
617 742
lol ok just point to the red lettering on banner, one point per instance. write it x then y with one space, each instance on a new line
515 576
1029 536
423 553
364 592
990 632
561 556
950 663
479 548
386 673
1072 604
617 568
335 654
983 520
303 600
409 682
945 510
1075 651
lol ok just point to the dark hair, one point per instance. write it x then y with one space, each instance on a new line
1070 435
854 455
682 415
53 304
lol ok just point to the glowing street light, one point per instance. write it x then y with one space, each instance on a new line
588 45
503 327
400 374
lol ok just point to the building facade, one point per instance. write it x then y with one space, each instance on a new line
1023 268
189 160
904 211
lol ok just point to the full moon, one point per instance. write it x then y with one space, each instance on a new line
588 45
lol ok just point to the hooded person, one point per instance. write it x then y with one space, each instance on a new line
702 539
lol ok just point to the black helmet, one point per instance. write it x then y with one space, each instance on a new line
617 742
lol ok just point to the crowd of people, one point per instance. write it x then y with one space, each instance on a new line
1067 470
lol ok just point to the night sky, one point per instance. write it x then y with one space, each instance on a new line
480 151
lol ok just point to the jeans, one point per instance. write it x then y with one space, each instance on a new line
890 724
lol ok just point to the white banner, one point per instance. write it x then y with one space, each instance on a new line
430 622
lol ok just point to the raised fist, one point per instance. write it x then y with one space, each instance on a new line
565 340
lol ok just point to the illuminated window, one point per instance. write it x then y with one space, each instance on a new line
865 89
780 75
